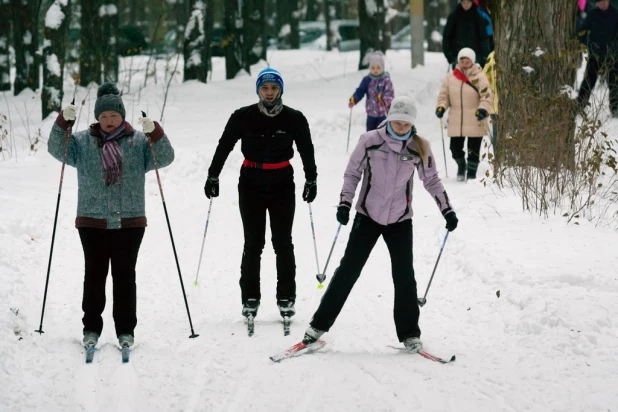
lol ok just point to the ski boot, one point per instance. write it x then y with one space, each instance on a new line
126 340
461 169
90 338
250 308
312 335
412 344
286 308
472 167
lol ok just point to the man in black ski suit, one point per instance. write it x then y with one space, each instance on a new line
267 131
599 33
465 27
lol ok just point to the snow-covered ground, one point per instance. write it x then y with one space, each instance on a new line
546 342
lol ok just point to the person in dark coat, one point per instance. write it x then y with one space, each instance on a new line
267 131
465 27
599 32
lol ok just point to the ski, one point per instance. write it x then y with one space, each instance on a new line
89 352
297 350
435 358
286 325
126 352
250 325
427 355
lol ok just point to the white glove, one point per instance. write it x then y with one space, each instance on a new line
147 124
70 112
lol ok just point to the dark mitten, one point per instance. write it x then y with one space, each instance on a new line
211 188
440 112
481 114
310 191
451 221
343 213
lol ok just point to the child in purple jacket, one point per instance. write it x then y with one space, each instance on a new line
384 163
378 87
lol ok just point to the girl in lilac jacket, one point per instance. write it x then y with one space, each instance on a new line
379 90
385 160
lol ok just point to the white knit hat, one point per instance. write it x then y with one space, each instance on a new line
467 52
402 108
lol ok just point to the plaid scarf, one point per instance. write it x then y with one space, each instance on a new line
112 155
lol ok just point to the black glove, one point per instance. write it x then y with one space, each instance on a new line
211 188
440 112
343 213
310 191
451 221
480 114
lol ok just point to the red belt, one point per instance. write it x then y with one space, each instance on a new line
256 165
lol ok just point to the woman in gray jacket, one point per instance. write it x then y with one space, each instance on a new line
386 160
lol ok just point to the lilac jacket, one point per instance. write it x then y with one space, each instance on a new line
387 168
373 87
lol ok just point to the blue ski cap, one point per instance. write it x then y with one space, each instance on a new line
268 75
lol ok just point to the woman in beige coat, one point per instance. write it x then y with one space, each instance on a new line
467 92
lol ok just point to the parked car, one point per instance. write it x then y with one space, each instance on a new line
403 38
313 35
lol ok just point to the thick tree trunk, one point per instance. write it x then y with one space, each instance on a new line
254 36
372 30
234 56
54 52
329 14
194 45
26 43
110 27
314 7
536 54
90 62
433 14
5 62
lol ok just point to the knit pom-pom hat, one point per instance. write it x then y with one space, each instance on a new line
108 98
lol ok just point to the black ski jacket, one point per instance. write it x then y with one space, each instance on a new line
465 29
266 139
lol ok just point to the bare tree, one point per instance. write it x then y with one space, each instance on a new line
54 52
194 44
91 57
372 15
109 48
245 39
26 42
5 63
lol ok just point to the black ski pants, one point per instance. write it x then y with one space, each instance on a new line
591 76
120 247
273 191
363 237
474 149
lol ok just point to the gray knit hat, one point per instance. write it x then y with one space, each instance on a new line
402 108
108 98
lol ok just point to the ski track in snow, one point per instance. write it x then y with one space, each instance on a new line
548 343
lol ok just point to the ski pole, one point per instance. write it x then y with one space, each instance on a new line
203 241
169 227
443 148
315 245
51 249
349 128
422 301
322 277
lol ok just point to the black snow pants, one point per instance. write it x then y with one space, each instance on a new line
363 237
272 191
120 247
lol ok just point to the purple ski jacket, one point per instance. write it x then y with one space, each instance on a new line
372 87
387 167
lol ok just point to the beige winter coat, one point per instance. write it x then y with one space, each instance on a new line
463 101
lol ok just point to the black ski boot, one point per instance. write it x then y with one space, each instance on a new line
250 308
472 166
461 169
286 307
